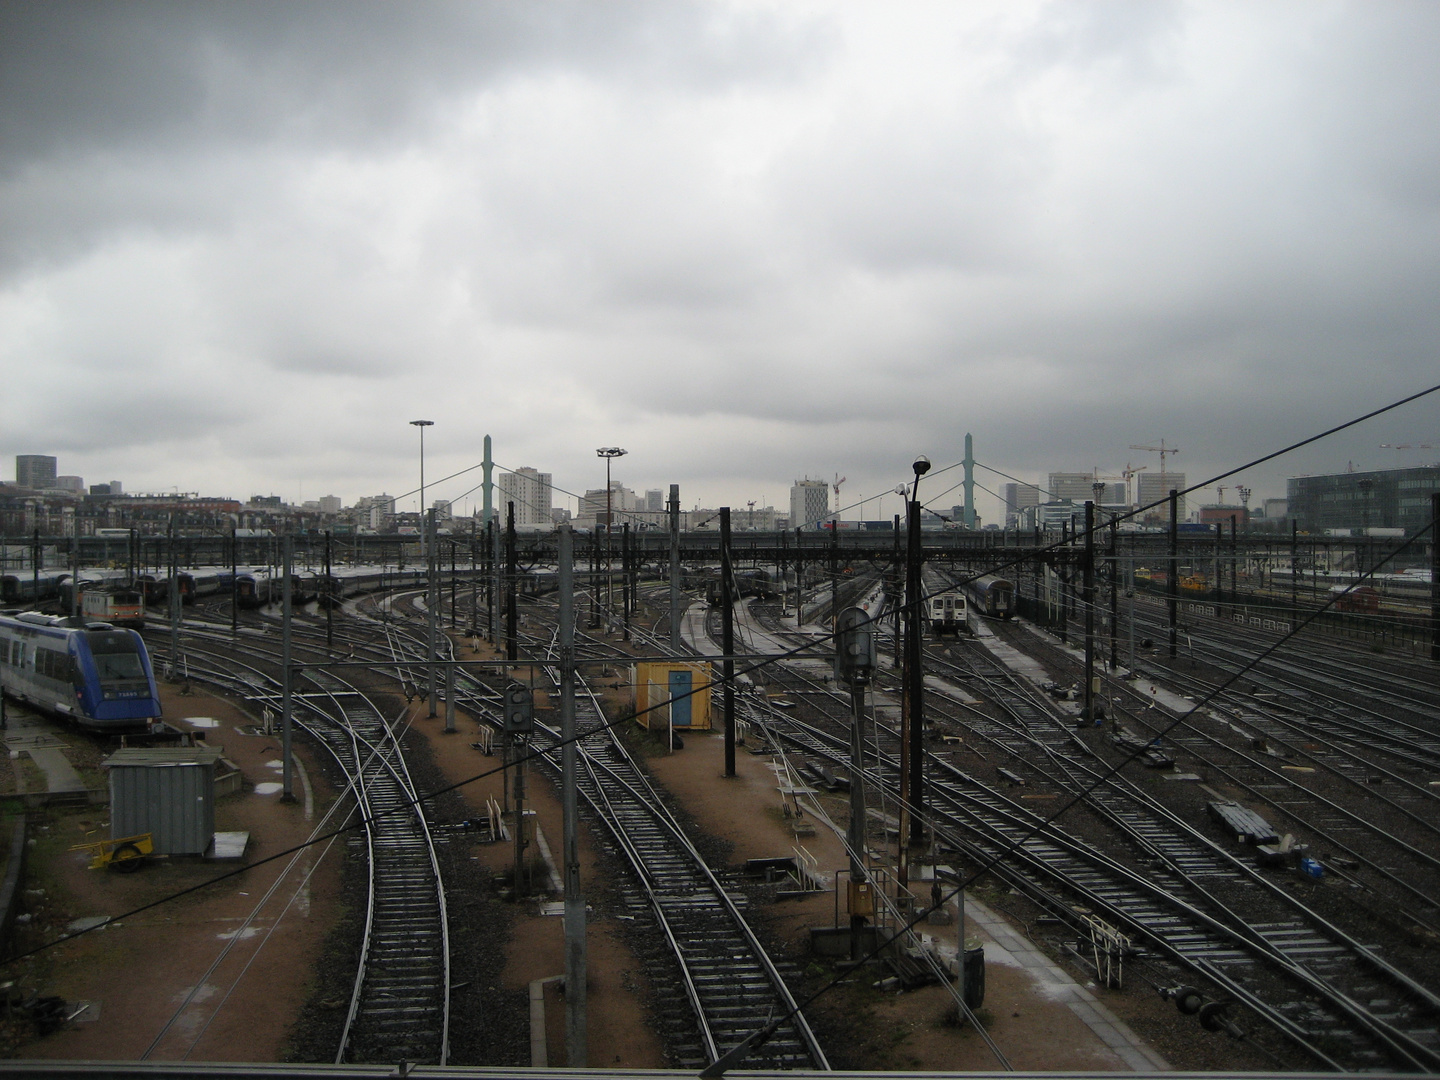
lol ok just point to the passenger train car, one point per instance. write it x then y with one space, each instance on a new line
993 597
87 580
26 586
946 611
95 674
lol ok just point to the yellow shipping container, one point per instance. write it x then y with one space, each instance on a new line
675 694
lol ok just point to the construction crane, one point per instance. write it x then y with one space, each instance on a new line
1162 450
1128 472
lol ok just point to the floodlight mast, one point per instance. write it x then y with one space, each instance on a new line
912 829
609 453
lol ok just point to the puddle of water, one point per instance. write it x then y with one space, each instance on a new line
277 765
202 721
243 935
268 789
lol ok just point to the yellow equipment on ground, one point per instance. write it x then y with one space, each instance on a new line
124 853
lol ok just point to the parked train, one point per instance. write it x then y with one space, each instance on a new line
95 674
744 583
991 596
28 587
944 602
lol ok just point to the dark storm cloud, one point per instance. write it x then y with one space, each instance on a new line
83 77
170 115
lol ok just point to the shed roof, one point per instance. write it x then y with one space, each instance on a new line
164 756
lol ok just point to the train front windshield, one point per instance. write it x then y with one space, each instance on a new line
117 657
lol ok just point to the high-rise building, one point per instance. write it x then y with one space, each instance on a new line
809 503
1376 499
75 484
35 471
385 504
654 500
1075 486
330 504
1018 497
1156 487
531 493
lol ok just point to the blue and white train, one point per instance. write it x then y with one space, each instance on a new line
95 674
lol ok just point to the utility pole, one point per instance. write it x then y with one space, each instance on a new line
727 639
174 591
1172 584
234 582
1434 576
287 678
625 578
799 580
329 598
575 954
912 799
1295 571
432 605
512 602
1089 713
675 638
1114 596
855 660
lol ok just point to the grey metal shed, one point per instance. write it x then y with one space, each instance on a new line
168 792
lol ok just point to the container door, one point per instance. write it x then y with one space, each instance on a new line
680 699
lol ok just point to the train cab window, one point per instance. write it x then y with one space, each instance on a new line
116 657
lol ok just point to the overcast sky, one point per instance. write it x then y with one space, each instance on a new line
243 244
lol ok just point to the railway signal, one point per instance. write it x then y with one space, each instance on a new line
519 709
855 661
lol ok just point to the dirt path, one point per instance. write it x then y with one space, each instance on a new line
211 976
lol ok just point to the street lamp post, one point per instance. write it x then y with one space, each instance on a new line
609 453
912 796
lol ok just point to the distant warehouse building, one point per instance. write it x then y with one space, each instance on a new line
1380 499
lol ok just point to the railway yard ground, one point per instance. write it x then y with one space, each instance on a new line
135 973
215 976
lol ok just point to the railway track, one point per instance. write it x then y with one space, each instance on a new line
1330 995
399 1004
716 981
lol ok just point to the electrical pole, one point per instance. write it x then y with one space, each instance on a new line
855 660
1088 713
575 954
287 679
727 639
1435 576
432 604
1172 584
329 598
512 602
912 798
675 638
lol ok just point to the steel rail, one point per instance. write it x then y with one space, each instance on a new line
387 796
